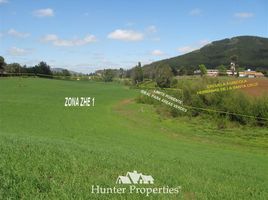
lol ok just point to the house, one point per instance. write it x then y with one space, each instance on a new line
248 73
251 74
135 178
259 75
212 72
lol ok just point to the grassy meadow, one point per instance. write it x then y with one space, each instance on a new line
48 151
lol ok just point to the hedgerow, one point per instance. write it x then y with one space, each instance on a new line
232 105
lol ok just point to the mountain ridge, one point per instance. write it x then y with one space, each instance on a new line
252 52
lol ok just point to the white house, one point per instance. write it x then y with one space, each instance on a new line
135 178
212 72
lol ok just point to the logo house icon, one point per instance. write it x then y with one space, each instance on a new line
135 178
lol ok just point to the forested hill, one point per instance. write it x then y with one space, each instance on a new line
251 51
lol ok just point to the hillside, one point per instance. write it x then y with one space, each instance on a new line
251 51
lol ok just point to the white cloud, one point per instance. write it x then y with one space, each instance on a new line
195 12
243 15
46 12
151 29
14 33
3 1
126 35
55 40
15 51
157 52
198 45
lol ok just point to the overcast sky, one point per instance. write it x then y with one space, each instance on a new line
85 35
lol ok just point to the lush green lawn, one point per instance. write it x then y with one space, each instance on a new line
54 152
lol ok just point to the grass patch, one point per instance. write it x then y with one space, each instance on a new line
48 151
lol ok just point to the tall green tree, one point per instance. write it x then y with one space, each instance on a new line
137 74
163 76
43 68
65 72
2 63
203 69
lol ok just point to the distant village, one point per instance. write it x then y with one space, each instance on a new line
232 72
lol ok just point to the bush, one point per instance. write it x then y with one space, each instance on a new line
222 123
145 100
163 76
260 110
236 106
127 82
108 75
174 83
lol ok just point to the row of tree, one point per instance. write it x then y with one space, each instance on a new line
162 74
41 68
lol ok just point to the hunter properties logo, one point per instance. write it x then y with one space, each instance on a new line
135 183
135 178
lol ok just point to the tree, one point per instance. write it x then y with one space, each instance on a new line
222 70
182 71
43 68
163 76
174 71
108 75
137 74
2 64
238 70
128 73
66 72
13 68
121 73
203 69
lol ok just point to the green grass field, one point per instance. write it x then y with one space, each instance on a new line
48 151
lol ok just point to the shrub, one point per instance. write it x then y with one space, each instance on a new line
236 106
174 83
163 76
222 123
260 110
